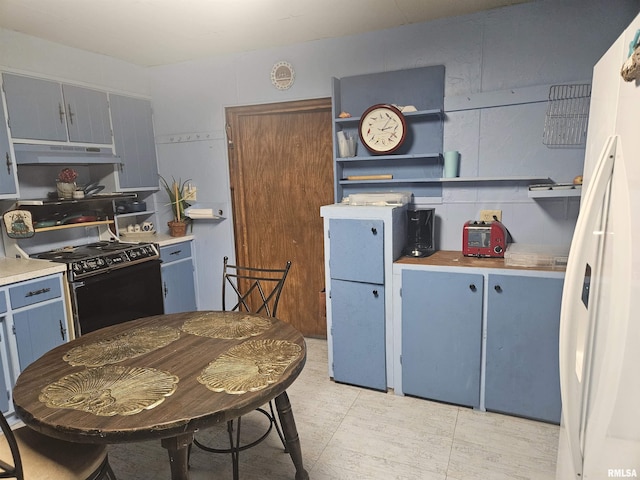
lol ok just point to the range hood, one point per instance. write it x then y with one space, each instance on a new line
27 154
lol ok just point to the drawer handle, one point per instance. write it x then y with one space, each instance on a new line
177 252
165 289
63 330
375 293
498 288
374 230
472 287
33 293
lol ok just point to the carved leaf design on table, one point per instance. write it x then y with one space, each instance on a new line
110 390
250 366
122 347
227 325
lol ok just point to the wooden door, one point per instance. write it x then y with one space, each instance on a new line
281 173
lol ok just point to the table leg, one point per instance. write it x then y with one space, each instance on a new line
178 448
291 434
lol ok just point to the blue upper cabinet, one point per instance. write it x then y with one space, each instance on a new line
134 142
8 180
87 115
45 110
417 163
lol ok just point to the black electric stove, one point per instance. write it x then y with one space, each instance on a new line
100 257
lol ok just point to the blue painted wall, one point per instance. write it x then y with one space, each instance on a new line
504 50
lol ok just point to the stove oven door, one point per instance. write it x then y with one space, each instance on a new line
117 296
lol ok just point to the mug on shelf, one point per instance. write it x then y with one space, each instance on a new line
147 226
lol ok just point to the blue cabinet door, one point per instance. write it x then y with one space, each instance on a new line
356 250
38 330
87 115
7 167
178 286
442 336
523 321
358 334
36 108
134 142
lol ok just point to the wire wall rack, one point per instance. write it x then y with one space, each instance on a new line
567 115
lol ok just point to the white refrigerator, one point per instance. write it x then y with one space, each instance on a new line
600 317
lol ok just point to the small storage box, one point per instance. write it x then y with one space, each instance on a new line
380 199
524 255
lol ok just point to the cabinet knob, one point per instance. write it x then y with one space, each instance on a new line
472 287
375 293
374 230
498 288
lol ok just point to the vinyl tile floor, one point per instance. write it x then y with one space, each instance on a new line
351 433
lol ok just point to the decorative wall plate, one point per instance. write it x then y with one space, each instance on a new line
110 390
282 75
122 347
250 366
227 325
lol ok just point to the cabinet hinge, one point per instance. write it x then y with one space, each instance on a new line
13 329
328 233
401 292
400 359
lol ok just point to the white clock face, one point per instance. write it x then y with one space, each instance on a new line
382 129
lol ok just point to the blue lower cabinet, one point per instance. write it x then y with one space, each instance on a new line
358 332
178 278
442 336
523 321
38 330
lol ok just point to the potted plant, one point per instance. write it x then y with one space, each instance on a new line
175 191
66 183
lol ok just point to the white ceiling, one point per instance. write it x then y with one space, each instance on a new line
159 32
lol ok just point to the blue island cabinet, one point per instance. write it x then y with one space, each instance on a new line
442 336
523 322
357 302
361 243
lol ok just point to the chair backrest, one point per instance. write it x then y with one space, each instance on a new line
6 469
257 290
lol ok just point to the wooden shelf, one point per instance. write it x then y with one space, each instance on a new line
74 225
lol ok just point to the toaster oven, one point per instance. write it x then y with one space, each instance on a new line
484 239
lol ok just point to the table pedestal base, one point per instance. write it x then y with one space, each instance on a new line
283 405
178 449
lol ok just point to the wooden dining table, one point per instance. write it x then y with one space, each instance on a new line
164 377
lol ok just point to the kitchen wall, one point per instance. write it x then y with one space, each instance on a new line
32 56
503 51
488 56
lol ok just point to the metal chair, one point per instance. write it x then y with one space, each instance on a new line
27 454
257 290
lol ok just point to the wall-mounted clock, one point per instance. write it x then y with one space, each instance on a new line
382 128
282 75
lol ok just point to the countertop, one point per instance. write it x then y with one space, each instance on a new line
445 258
14 270
162 239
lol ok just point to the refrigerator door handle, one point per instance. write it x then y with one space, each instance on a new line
575 325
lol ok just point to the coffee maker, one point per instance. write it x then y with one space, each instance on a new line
420 232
